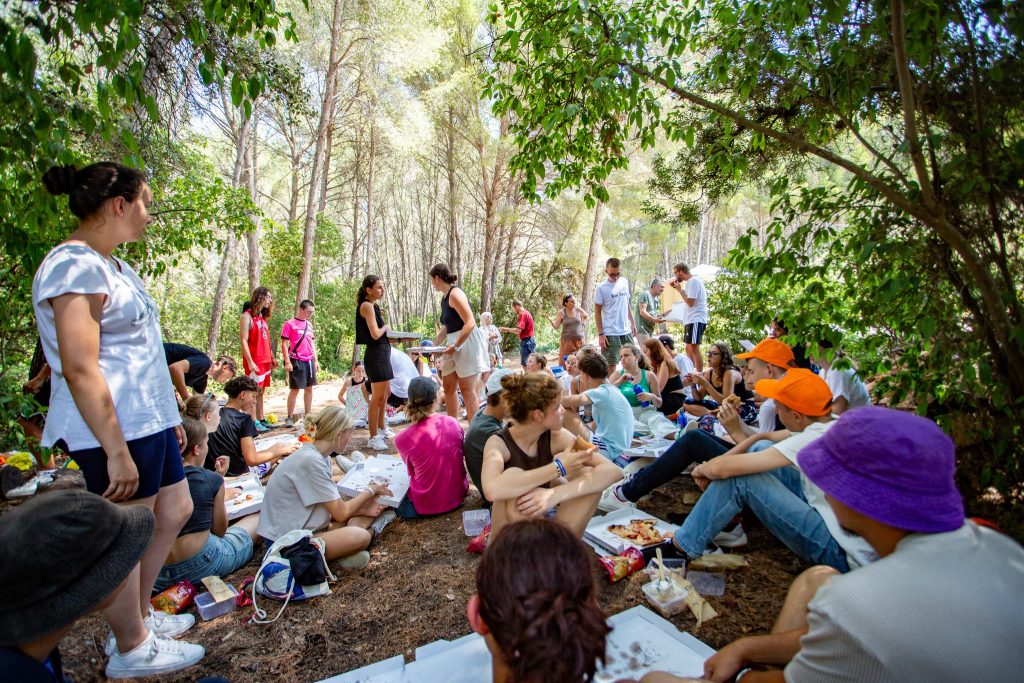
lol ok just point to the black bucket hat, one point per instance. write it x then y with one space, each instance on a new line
61 554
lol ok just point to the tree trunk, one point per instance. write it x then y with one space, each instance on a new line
369 196
253 238
320 156
453 248
353 257
590 277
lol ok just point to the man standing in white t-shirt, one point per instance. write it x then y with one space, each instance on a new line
613 314
695 313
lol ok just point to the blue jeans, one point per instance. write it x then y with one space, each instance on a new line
526 347
692 447
220 556
777 498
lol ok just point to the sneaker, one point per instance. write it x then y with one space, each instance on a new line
387 432
736 538
357 561
289 423
711 549
160 623
155 655
260 427
377 443
357 456
382 521
612 500
344 464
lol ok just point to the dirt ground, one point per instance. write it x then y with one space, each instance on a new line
414 592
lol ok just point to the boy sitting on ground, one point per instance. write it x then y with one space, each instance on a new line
889 478
612 427
235 437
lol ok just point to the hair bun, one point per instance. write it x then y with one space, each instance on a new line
60 179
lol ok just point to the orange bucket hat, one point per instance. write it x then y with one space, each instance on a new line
800 390
771 351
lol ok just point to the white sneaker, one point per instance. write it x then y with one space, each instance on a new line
736 538
382 521
610 502
357 456
387 432
161 624
377 443
155 655
357 561
344 464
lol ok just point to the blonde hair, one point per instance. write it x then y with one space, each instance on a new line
417 412
525 392
195 433
199 406
329 422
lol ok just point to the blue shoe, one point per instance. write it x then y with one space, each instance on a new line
260 427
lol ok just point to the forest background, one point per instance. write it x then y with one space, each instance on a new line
855 167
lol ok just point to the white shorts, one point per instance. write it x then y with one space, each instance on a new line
469 360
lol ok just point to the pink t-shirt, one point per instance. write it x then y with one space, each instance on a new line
432 451
292 332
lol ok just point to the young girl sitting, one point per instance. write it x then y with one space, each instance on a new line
536 606
533 467
206 545
641 388
206 409
302 495
537 362
432 451
355 395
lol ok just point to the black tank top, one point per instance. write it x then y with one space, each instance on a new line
363 335
518 458
450 318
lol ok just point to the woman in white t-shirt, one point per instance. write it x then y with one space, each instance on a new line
112 401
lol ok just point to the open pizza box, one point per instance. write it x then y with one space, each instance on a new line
387 469
598 533
640 642
250 499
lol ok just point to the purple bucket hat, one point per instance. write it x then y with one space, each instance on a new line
895 467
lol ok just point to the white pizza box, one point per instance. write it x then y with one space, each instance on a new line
265 443
677 313
388 468
640 642
239 506
403 336
597 529
428 349
648 450
391 670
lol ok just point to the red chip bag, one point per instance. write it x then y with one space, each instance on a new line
621 566
175 599
479 543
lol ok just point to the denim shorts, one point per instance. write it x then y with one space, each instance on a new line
156 456
220 557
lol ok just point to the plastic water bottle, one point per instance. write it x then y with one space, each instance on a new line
637 389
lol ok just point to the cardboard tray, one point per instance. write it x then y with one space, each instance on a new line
264 443
251 486
390 468
597 530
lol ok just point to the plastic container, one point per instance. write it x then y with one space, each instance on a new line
208 609
474 521
668 597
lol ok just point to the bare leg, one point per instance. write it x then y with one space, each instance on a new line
503 512
693 352
122 613
470 394
249 524
378 400
292 395
450 384
172 506
344 541
576 513
259 405
571 421
793 614
307 400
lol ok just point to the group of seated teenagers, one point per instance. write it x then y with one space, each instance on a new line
941 602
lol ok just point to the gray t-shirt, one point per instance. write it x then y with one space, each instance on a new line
482 428
941 607
643 325
295 493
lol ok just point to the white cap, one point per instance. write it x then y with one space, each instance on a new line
494 381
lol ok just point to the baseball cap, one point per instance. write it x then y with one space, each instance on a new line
494 381
771 351
422 390
800 390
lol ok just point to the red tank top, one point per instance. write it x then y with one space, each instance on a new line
259 340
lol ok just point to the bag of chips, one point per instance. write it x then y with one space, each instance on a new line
622 565
175 599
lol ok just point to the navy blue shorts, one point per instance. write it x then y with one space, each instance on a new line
157 456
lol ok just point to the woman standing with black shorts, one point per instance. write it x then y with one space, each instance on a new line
373 333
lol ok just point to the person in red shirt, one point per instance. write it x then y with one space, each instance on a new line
524 328
257 351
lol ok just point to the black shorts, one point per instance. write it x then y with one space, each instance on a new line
302 375
157 457
694 333
377 363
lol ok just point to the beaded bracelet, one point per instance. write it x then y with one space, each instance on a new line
560 466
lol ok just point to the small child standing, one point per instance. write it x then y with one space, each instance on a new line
355 395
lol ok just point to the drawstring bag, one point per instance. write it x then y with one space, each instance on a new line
294 568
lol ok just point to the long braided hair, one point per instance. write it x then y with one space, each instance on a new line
537 597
